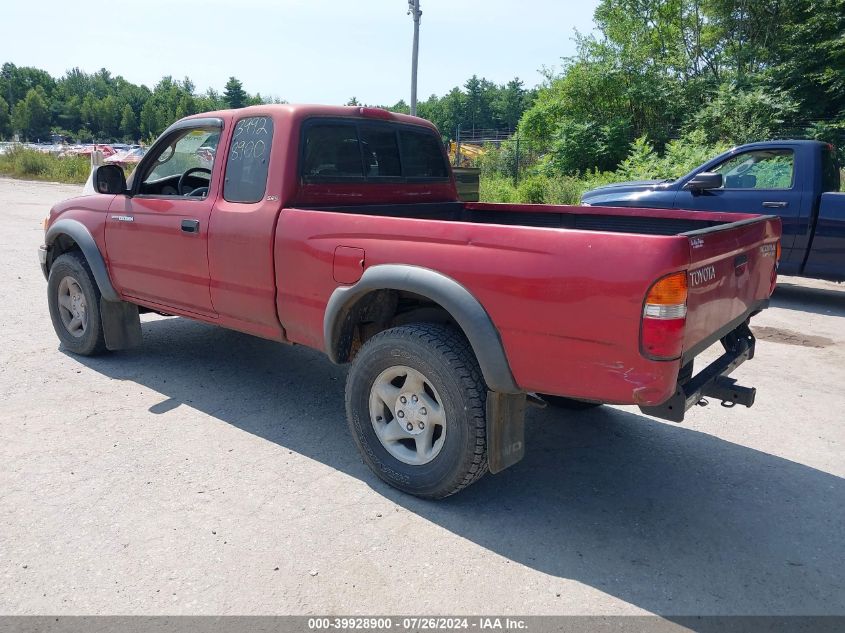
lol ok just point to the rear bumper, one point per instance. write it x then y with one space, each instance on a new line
713 380
42 259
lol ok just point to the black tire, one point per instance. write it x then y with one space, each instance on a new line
445 358
571 404
92 341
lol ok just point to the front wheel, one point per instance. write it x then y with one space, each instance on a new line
415 405
74 301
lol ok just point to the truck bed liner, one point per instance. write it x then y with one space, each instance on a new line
579 218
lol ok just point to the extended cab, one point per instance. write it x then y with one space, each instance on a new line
798 181
339 228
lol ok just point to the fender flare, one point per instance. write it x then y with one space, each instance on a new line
80 234
467 311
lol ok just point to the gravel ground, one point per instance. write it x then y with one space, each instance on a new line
212 473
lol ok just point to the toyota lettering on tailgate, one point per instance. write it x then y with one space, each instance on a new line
702 275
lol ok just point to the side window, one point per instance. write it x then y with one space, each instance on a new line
248 160
422 156
759 169
830 171
183 166
331 152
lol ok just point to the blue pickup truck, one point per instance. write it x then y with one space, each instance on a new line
798 181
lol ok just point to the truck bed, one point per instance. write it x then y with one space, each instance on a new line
564 285
604 219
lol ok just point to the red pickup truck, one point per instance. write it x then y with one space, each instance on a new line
339 228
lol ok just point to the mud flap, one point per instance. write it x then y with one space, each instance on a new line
121 324
505 429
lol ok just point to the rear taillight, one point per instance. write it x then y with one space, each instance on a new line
664 318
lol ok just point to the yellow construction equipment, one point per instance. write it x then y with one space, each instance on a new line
470 153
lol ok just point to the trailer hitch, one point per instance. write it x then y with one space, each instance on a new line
713 381
730 393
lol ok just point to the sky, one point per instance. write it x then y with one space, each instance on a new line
303 51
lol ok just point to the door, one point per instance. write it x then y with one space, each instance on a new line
157 238
758 181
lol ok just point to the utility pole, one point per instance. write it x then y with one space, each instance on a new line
458 146
414 11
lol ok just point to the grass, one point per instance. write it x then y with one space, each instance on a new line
30 164
538 189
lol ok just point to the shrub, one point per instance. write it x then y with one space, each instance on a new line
641 163
533 190
565 190
498 161
577 146
679 158
744 115
31 163
23 162
497 189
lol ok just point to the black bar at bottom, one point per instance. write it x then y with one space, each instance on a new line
712 381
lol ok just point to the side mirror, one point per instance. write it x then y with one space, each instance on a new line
109 179
704 181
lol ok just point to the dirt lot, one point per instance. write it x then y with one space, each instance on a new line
210 472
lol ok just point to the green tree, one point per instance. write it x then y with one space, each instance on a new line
809 59
234 93
474 103
744 116
211 100
66 111
509 103
108 117
17 81
88 112
5 119
31 115
149 121
657 69
20 119
402 107
582 146
449 111
128 124
184 106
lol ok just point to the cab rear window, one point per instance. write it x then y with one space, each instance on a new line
365 151
421 155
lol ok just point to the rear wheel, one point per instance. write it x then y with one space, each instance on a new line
74 301
415 405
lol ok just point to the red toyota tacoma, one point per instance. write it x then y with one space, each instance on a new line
339 228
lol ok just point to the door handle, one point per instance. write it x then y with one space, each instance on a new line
191 226
775 205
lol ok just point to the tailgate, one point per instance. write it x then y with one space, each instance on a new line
731 275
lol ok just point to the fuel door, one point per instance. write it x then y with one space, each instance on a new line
348 264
